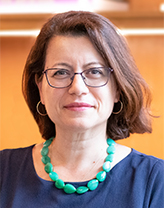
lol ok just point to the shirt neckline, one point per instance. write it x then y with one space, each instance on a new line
74 183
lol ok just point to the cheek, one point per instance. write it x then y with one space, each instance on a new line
106 99
42 86
114 90
41 93
109 99
53 99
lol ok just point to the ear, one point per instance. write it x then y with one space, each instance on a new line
116 89
39 85
117 96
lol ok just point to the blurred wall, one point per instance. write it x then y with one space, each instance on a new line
17 126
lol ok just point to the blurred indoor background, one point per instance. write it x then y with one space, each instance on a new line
142 23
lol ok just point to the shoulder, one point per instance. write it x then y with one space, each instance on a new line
141 158
138 163
143 178
151 173
18 151
135 160
148 168
14 157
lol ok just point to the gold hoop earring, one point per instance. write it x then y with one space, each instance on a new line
121 107
37 108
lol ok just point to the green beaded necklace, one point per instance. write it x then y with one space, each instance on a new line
69 188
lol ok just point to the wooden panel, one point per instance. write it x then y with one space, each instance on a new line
31 21
148 52
18 128
130 19
136 19
145 5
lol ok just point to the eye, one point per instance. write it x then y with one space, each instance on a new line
60 73
94 73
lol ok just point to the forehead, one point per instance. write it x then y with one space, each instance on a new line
61 42
71 49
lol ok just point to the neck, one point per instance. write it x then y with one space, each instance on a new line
78 150
78 145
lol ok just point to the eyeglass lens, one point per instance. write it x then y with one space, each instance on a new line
61 78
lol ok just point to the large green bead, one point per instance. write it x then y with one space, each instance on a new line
44 151
110 142
109 157
54 176
101 176
106 166
48 167
59 184
111 149
69 189
47 143
92 185
82 189
45 159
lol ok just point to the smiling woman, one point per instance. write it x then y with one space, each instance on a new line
125 71
84 91
83 60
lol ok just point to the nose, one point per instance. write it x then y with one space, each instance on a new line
78 86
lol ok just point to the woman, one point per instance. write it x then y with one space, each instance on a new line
84 91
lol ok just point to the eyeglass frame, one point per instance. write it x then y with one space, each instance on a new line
83 78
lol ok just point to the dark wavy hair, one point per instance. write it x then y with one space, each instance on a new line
111 45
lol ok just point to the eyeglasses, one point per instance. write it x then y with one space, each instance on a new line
62 78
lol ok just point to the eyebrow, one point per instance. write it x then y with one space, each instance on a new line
68 65
94 63
61 64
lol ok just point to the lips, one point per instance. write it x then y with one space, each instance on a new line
78 106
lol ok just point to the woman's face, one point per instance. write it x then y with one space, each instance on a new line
76 107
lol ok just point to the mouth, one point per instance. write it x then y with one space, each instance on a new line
78 106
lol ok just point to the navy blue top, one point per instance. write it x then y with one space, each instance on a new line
135 182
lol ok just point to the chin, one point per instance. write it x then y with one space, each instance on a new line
77 124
